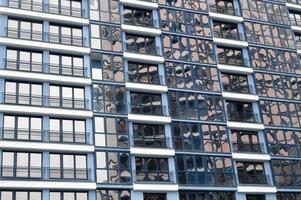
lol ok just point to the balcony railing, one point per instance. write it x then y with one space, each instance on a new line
46 173
66 39
38 135
248 117
149 78
230 36
248 89
25 34
37 100
44 36
248 147
46 7
206 179
148 109
151 142
155 177
253 179
224 10
146 22
30 66
150 50
295 22
233 61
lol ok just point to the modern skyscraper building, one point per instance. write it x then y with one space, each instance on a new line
150 100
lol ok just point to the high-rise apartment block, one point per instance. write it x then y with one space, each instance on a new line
150 100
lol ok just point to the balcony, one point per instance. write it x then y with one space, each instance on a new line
49 8
151 142
45 173
242 62
293 5
12 134
248 117
229 36
253 179
148 109
242 147
235 40
224 10
48 68
66 39
46 101
145 4
154 177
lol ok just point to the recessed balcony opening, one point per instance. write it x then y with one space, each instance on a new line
144 73
252 173
231 56
255 197
298 40
241 112
141 44
138 17
236 83
154 196
149 136
153 170
223 7
226 31
147 104
295 18
246 142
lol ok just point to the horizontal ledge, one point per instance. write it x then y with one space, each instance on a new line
230 42
226 18
44 15
55 112
54 147
144 58
240 97
69 185
141 30
37 45
157 152
251 156
296 29
149 119
256 189
299 51
245 126
156 187
140 4
40 76
293 6
141 87
235 69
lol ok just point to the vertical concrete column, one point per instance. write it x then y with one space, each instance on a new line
46 61
46 128
4 24
45 195
2 57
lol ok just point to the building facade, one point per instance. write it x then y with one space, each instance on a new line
150 100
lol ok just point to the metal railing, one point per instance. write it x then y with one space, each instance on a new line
232 61
151 141
149 49
207 178
148 109
243 117
47 7
66 39
248 89
44 36
146 22
147 78
145 176
37 100
73 103
248 147
46 173
25 34
39 135
230 36
30 66
254 179
224 10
